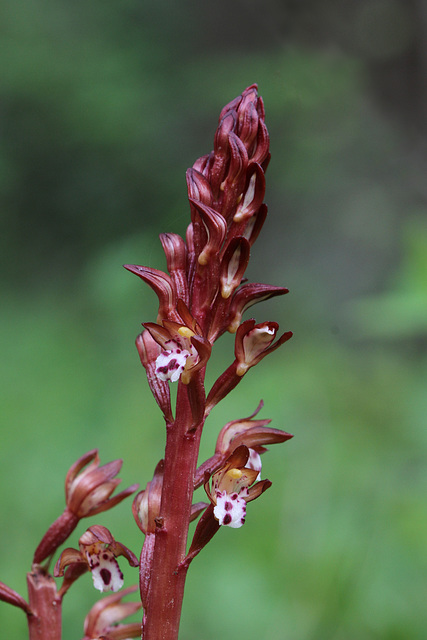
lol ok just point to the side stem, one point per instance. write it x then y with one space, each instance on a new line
46 620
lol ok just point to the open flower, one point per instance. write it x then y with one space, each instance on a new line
232 486
184 349
228 489
97 553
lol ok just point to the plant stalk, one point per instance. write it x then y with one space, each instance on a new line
166 589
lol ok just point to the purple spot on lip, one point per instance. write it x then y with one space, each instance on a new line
228 506
173 364
227 519
106 576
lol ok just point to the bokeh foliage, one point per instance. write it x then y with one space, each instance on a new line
104 105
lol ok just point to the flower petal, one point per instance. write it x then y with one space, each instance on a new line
230 510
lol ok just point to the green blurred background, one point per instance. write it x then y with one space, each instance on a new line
103 107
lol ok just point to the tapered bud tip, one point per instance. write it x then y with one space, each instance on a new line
102 619
88 490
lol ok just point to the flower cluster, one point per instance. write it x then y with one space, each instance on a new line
204 293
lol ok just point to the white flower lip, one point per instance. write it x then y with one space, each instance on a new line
106 573
171 363
230 509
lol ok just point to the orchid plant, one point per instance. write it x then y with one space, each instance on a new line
203 295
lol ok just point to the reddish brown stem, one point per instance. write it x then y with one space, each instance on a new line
166 589
46 606
57 533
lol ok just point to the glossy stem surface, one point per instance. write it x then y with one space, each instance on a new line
167 580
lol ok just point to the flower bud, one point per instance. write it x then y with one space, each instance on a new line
88 492
233 265
149 350
103 617
198 187
216 229
146 505
254 342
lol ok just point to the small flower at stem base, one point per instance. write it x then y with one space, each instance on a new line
146 504
98 551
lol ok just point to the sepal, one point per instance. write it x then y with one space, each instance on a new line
162 286
146 504
248 295
149 350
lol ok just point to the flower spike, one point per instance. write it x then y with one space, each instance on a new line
202 297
